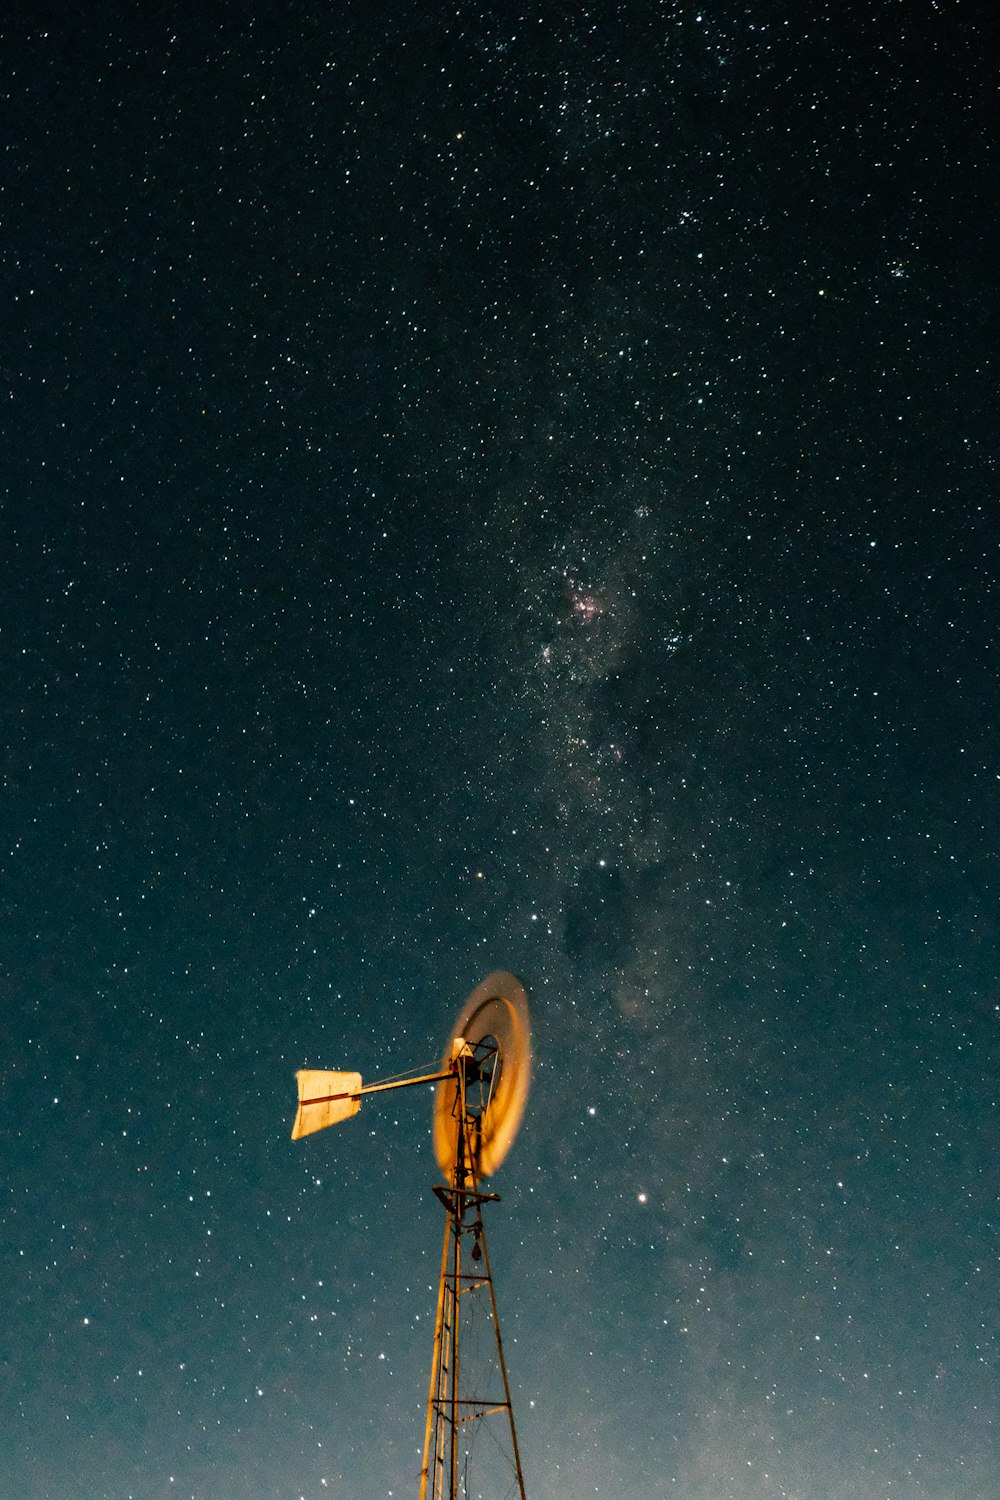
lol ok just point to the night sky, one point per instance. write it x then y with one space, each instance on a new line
491 486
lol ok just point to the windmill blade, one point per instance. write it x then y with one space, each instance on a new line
325 1099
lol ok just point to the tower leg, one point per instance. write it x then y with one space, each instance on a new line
434 1393
503 1362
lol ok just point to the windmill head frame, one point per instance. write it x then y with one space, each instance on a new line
482 1088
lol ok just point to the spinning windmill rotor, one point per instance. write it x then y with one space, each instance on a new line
482 1088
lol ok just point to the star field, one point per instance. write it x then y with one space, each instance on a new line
501 488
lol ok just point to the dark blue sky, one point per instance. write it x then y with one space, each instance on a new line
501 490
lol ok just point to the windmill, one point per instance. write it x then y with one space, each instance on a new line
482 1087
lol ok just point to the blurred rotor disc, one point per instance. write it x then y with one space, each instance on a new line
495 1013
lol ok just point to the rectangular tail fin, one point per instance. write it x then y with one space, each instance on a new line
325 1099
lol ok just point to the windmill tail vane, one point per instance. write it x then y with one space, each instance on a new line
326 1098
